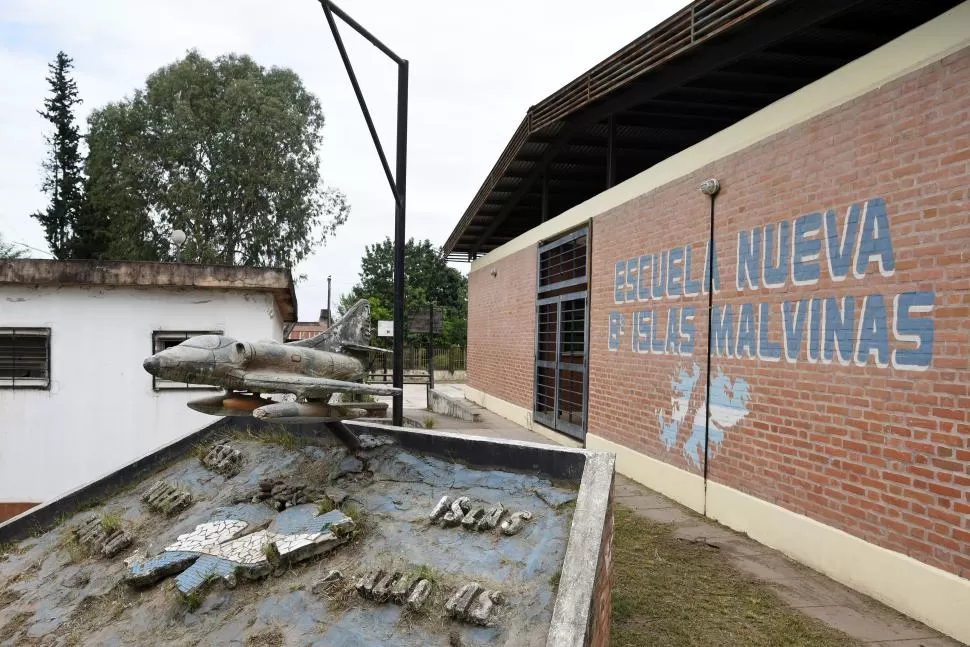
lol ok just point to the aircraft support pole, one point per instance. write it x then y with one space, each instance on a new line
430 345
400 182
343 434
397 181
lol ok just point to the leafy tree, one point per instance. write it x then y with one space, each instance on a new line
429 280
223 149
62 168
7 250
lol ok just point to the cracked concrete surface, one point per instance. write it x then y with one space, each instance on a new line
53 598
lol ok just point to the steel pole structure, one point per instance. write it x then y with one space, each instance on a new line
397 182
329 318
399 212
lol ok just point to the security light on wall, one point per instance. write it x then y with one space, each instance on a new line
178 239
494 273
710 187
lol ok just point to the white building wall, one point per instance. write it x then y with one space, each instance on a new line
101 411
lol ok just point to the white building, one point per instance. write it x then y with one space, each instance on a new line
75 402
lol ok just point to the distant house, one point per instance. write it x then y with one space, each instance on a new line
75 402
307 329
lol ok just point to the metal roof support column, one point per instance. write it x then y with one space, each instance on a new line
545 196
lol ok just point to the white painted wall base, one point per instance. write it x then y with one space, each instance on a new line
519 415
928 594
683 487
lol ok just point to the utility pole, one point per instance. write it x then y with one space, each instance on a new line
329 316
397 181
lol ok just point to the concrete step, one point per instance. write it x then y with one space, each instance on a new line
449 400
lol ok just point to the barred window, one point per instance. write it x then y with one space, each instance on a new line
25 358
165 339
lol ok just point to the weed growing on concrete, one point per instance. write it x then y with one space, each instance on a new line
271 638
324 506
283 438
353 512
554 579
8 597
430 423
13 627
75 551
111 522
191 601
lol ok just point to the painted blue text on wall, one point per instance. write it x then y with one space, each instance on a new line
876 329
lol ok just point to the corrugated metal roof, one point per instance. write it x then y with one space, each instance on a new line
704 68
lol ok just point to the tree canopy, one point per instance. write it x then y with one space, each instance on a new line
225 150
63 182
429 280
7 250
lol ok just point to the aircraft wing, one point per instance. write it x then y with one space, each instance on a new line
363 348
311 387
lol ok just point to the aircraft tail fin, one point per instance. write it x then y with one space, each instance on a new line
350 333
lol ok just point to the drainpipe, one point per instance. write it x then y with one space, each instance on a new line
709 188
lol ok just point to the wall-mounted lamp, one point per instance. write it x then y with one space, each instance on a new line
178 239
710 187
494 272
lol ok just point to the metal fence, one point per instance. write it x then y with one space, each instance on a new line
416 359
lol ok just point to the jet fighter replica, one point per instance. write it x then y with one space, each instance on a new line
312 370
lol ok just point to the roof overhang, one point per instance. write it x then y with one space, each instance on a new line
277 282
705 68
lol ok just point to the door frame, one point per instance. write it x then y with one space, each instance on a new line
583 293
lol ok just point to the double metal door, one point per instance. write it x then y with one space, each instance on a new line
560 385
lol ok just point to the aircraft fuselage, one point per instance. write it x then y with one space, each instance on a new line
223 361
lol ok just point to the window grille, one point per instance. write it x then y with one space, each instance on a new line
561 333
25 359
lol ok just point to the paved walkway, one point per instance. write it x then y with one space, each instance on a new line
804 589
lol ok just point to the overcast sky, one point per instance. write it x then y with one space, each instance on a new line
475 70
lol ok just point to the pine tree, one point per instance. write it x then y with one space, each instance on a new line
63 182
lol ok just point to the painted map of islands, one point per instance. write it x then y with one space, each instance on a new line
729 400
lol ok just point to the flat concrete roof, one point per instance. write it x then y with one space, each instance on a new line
276 281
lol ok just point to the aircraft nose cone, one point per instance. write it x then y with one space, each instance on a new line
151 365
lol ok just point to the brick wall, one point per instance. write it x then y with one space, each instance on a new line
860 421
501 328
11 510
598 632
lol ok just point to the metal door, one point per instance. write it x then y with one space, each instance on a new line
561 335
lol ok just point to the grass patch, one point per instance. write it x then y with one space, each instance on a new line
8 597
554 579
282 438
670 592
75 551
26 574
353 512
13 627
111 522
191 601
430 423
325 505
201 450
272 638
